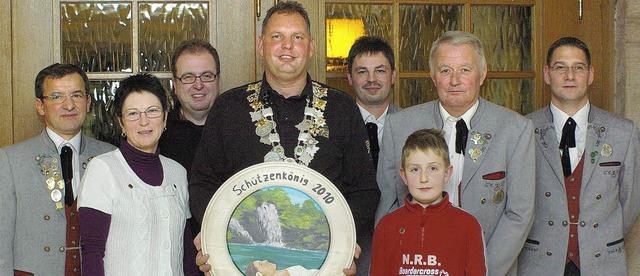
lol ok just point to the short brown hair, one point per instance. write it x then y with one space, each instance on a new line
426 140
194 46
286 7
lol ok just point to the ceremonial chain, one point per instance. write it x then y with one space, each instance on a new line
312 125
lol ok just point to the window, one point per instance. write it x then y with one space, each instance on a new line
113 40
506 29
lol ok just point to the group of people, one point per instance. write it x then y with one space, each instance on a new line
455 186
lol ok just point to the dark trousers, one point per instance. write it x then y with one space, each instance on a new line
571 269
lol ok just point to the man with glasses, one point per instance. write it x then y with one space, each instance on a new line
39 180
195 65
587 171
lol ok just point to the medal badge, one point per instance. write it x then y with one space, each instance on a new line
49 168
593 155
498 196
606 150
480 141
312 125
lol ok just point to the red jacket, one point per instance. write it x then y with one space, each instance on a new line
440 239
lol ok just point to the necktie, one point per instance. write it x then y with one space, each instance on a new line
461 136
66 158
567 141
372 130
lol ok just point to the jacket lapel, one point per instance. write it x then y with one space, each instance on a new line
595 138
478 144
549 146
49 148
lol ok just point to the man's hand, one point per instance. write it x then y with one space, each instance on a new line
352 269
201 259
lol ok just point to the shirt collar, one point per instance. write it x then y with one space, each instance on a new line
59 141
560 117
466 116
265 88
370 118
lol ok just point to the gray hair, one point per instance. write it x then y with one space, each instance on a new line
457 38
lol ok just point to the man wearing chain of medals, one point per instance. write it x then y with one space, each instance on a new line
286 116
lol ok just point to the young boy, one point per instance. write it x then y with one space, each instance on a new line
428 235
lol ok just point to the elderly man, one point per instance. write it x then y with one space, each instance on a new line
587 171
491 150
40 179
265 121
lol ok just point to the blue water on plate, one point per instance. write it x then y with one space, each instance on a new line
243 254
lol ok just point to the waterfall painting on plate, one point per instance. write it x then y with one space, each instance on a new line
281 225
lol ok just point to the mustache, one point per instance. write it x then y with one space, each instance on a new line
373 84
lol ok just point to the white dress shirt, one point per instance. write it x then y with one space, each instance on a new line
456 159
367 117
582 122
74 144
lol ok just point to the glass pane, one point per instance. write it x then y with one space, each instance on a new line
101 122
515 94
163 26
416 91
506 34
420 26
346 22
97 37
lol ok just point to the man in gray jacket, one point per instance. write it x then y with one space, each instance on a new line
587 171
37 232
491 150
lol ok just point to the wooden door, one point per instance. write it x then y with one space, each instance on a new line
592 22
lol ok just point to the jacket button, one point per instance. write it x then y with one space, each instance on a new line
549 253
565 223
598 197
61 249
47 217
551 223
547 194
47 249
597 254
483 200
595 225
582 223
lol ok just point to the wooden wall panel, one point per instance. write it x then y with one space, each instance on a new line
32 49
6 106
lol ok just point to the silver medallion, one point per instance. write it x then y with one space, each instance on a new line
271 156
263 130
56 195
607 150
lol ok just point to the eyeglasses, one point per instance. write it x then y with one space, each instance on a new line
563 69
59 98
204 77
134 114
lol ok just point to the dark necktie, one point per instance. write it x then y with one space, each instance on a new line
372 130
461 136
567 141
66 159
